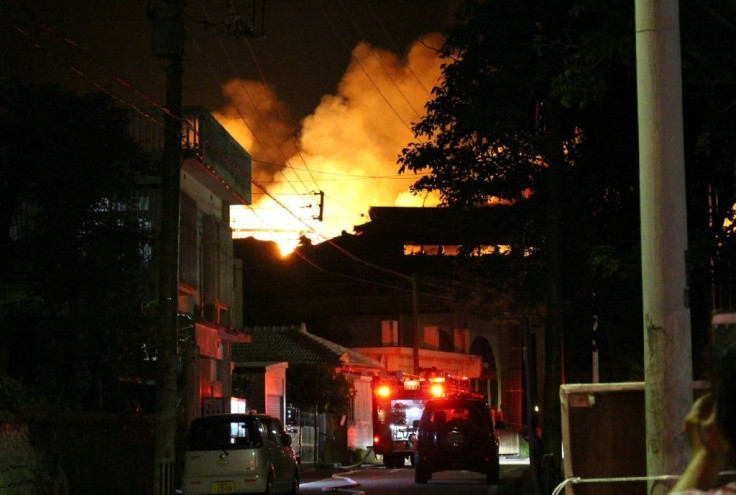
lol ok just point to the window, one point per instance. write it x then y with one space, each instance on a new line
223 433
275 430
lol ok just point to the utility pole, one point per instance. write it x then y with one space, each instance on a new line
415 324
169 34
530 396
667 349
168 42
321 195
554 322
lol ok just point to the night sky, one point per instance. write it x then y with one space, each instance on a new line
305 50
322 124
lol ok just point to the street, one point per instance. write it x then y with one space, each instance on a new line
515 479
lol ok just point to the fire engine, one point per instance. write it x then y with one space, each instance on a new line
398 402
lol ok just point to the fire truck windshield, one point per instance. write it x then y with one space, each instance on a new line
399 415
398 403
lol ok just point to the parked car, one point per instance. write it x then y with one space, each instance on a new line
456 433
239 453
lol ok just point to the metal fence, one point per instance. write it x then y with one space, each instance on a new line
669 479
304 443
648 484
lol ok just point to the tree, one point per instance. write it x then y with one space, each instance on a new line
537 107
708 32
72 242
531 111
311 387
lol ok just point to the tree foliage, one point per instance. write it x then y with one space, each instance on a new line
709 104
537 108
317 386
523 84
70 318
523 81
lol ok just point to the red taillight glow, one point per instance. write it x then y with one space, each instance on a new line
376 440
383 391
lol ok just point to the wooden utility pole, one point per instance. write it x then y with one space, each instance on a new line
667 346
168 42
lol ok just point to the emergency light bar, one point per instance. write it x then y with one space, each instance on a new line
383 391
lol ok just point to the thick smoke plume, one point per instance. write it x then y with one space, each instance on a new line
347 149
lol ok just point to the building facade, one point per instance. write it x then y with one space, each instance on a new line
390 300
215 173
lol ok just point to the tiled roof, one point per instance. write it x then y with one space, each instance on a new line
295 345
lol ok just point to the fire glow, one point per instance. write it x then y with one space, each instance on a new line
347 148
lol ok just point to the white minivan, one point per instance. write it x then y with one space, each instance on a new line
239 453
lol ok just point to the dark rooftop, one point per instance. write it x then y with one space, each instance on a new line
295 345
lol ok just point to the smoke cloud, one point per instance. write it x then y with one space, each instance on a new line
347 148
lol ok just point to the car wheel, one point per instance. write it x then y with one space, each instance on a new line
493 471
422 471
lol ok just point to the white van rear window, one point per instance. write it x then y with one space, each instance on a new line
224 433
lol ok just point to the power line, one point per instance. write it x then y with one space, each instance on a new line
366 281
362 67
257 64
395 47
380 64
70 42
348 178
344 174
263 78
250 99
214 149
260 71
242 117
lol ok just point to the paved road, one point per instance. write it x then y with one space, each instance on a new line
516 479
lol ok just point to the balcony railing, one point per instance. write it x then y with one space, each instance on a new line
204 139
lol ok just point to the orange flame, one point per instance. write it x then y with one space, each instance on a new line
347 148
